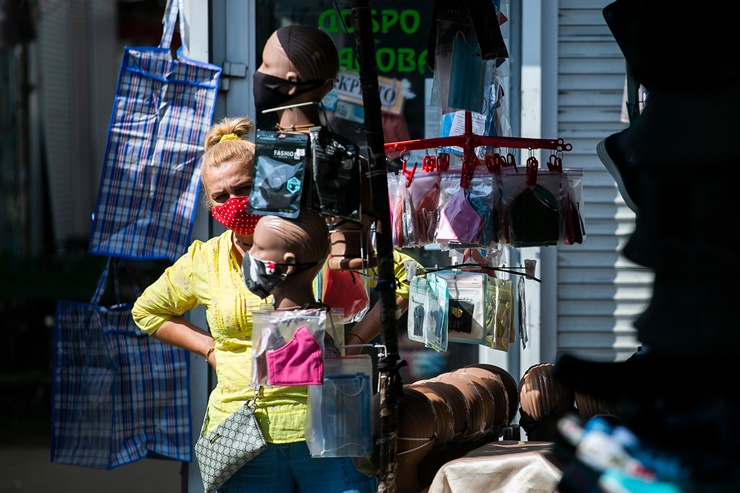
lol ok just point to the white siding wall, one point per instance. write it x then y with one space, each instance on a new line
599 292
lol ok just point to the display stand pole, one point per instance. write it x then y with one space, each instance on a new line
389 379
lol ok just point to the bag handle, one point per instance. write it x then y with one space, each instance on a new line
102 282
112 264
174 7
131 279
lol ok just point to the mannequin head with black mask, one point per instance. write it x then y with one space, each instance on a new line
285 257
299 65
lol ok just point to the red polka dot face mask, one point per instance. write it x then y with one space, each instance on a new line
233 214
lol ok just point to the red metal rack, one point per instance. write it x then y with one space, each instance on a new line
469 141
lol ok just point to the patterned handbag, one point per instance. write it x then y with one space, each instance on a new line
149 186
226 449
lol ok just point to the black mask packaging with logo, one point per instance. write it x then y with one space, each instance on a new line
336 175
278 174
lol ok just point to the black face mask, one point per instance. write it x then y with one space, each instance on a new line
262 277
271 92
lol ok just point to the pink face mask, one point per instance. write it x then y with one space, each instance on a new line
299 362
233 214
459 221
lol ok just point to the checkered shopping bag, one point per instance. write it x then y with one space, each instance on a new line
118 394
148 191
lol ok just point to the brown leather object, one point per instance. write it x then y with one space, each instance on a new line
512 388
542 396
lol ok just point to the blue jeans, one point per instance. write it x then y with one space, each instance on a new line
289 468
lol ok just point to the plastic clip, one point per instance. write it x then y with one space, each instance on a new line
555 163
532 168
443 161
408 174
495 162
429 162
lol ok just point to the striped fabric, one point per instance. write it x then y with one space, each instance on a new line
149 187
117 393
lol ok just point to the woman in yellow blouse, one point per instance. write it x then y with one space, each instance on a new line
210 274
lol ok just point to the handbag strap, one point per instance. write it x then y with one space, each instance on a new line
259 391
113 264
174 7
134 285
102 282
95 301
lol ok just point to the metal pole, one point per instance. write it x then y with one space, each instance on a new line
388 363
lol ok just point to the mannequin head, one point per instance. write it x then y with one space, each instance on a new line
299 64
292 252
543 401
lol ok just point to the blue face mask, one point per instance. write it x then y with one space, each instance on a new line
466 76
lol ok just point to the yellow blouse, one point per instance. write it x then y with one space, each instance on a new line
210 275
399 272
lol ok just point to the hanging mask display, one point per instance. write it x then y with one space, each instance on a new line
233 214
298 362
336 175
459 222
466 75
278 174
467 308
272 92
290 346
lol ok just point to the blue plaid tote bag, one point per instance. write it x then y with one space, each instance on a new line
118 394
148 190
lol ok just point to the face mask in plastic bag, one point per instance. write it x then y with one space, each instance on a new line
459 222
336 174
299 362
418 308
277 329
499 314
467 307
278 174
466 75
436 325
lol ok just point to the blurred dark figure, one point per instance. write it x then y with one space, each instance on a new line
16 23
677 168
